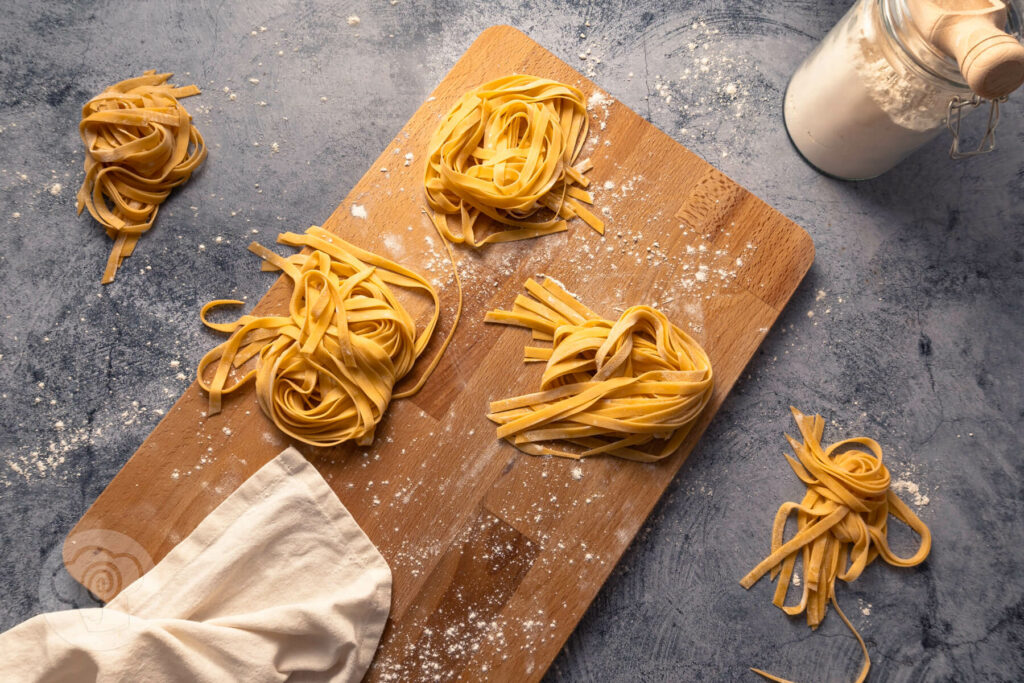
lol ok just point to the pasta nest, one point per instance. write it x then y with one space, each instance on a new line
608 386
139 144
841 523
507 150
325 372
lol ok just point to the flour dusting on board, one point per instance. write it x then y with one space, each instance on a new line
394 245
598 99
598 105
461 630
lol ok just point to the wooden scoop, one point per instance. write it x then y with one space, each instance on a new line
971 32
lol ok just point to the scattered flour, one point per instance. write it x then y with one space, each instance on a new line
598 99
590 61
66 441
912 489
599 103
395 247
359 211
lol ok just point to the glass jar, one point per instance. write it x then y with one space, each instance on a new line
873 91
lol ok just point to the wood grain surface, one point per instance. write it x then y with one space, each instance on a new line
495 554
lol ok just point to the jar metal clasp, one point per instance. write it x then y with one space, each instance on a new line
954 115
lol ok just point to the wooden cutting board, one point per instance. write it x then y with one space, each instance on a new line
495 554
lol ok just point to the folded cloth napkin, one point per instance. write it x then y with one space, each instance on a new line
278 583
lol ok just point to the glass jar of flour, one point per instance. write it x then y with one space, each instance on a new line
892 74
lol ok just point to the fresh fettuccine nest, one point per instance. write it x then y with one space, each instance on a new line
507 150
841 524
326 372
632 387
139 144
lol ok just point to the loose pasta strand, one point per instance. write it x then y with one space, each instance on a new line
608 386
841 525
139 144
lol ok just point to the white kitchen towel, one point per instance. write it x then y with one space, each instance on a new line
278 583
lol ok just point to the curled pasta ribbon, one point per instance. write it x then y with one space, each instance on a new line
507 150
139 144
608 386
327 371
841 524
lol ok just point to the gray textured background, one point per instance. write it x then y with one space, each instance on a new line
916 336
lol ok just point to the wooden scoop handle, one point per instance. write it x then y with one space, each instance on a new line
971 31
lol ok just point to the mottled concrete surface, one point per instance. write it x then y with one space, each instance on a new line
916 335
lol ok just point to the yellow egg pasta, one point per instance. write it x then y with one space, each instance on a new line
139 144
507 150
327 370
631 388
841 524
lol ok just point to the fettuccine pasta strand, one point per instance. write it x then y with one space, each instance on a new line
608 386
139 144
507 150
841 524
327 370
